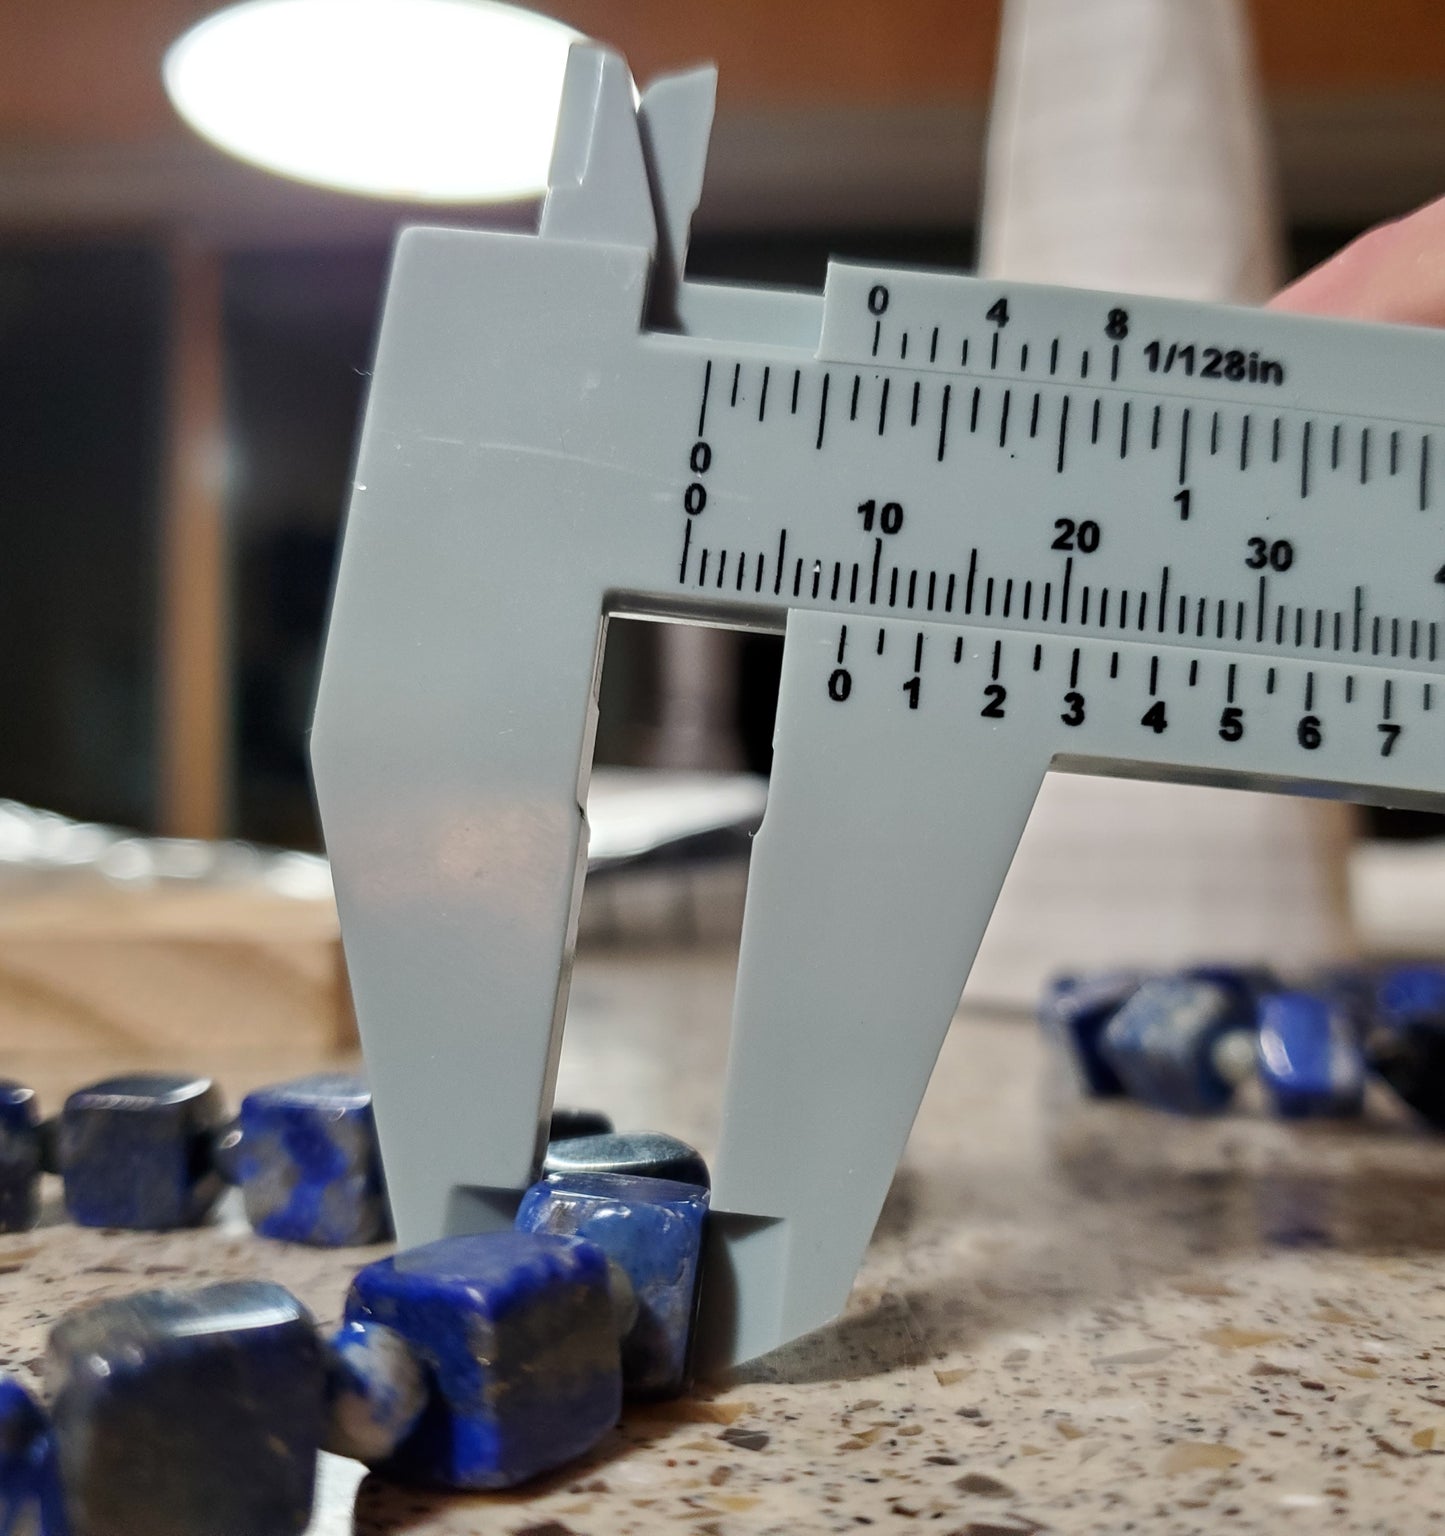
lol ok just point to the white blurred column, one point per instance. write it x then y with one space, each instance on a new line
697 698
1126 151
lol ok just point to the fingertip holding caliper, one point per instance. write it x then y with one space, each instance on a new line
1002 528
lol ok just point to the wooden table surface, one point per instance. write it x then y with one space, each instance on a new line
1073 1318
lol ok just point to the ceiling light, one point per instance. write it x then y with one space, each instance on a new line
446 101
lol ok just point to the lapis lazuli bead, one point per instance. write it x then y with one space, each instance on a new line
1405 1043
1411 994
1246 984
652 1229
19 1160
1162 1044
1074 1011
30 1501
309 1165
516 1333
375 1391
1309 1060
22 1426
182 1412
640 1154
1411 1059
134 1151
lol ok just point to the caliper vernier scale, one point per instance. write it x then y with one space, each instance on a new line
1002 528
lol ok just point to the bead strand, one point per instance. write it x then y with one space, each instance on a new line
153 1152
1185 1042
474 1362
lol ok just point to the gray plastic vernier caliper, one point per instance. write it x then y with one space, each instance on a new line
1003 529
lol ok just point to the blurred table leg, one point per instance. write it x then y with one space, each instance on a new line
195 694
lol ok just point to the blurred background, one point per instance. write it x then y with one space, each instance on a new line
184 345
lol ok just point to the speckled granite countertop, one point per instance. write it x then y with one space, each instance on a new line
1074 1319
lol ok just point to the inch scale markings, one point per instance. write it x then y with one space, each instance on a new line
1002 529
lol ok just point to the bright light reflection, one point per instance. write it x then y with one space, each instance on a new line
442 101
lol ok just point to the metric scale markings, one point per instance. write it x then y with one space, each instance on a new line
800 565
1002 529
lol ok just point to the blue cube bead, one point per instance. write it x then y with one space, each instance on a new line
516 1333
22 1427
1074 1011
179 1413
308 1162
639 1154
652 1229
1309 1058
19 1160
1405 1043
1411 994
375 1391
1162 1044
30 1500
135 1152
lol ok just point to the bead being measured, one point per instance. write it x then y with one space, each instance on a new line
652 1230
639 1154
